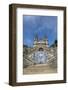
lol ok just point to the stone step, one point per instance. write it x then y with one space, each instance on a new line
40 68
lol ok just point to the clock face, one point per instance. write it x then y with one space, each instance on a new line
40 57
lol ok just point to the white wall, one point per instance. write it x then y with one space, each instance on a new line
4 44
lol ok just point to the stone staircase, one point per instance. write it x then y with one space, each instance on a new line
39 69
27 61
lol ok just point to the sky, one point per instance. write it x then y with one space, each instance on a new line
43 26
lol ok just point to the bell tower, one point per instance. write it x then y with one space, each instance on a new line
45 40
35 40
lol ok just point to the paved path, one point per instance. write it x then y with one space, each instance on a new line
39 69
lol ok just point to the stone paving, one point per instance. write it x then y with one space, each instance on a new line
39 69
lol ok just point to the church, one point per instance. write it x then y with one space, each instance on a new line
40 53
